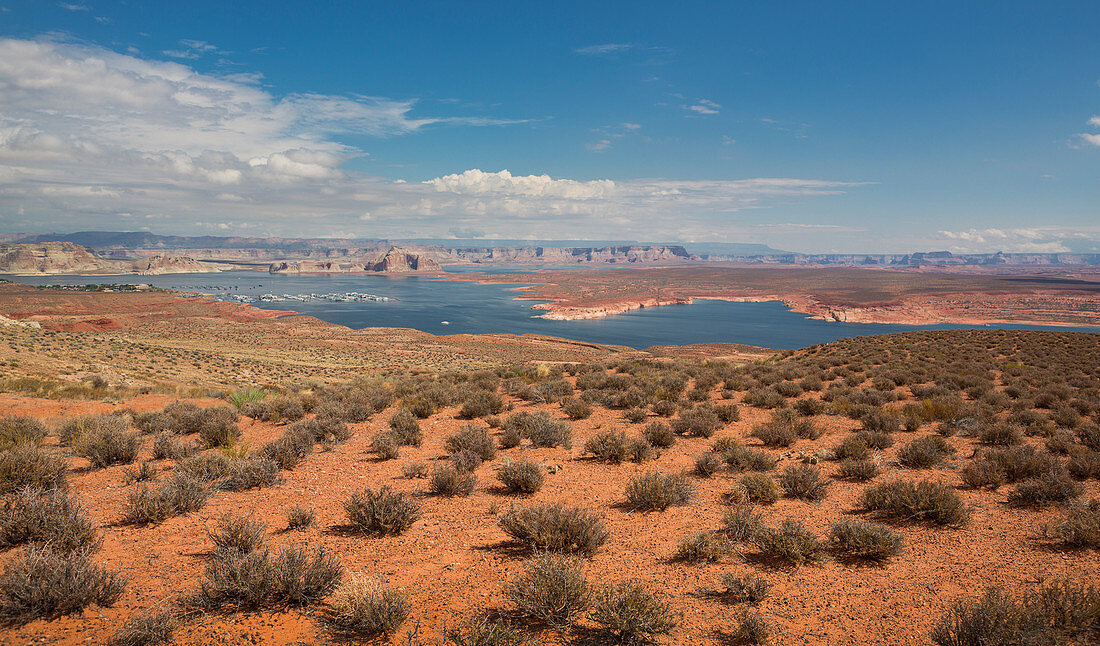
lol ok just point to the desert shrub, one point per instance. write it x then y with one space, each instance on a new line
665 408
1089 434
753 629
1066 417
168 447
288 450
547 433
879 421
413 470
405 429
859 470
237 533
760 488
745 588
927 500
205 467
385 446
1085 464
608 446
708 464
510 438
876 439
809 407
382 512
322 429
742 458
635 415
764 398
16 430
1061 442
521 476
924 452
472 438
180 494
659 434
1001 434
551 589
774 435
155 626
483 631
639 450
630 614
52 518
481 403
299 518
741 522
365 609
420 407
246 396
791 541
1011 464
28 465
218 427
556 528
1055 613
702 546
446 480
251 473
274 409
728 413
696 422
852 447
865 539
303 576
656 491
42 583
788 389
1054 486
108 443
465 461
576 408
1080 527
76 428
803 481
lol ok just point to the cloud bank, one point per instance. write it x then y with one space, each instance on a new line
94 139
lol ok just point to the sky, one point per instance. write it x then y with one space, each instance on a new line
841 127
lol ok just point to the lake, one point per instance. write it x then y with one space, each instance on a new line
425 303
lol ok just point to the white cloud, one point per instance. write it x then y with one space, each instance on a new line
1049 239
603 49
599 146
93 139
1095 122
68 6
703 106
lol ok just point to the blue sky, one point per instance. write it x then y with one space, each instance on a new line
809 126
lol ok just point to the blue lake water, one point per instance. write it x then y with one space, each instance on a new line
425 303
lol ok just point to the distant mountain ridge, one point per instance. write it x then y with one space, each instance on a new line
262 251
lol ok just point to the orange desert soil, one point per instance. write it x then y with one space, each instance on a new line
858 295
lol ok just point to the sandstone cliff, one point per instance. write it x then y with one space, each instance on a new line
51 258
393 261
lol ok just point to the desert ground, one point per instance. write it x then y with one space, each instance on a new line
731 442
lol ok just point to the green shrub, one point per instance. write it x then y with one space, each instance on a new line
521 476
803 481
629 613
556 528
383 512
42 583
28 465
655 491
929 501
551 590
865 539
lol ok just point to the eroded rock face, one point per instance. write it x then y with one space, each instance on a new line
166 264
393 261
49 258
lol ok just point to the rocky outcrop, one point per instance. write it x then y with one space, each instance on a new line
51 258
393 261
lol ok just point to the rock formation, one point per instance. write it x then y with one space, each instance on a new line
393 261
50 258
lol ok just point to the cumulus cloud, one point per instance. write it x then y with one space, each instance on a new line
94 139
1052 239
703 106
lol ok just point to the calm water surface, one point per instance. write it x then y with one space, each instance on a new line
425 303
